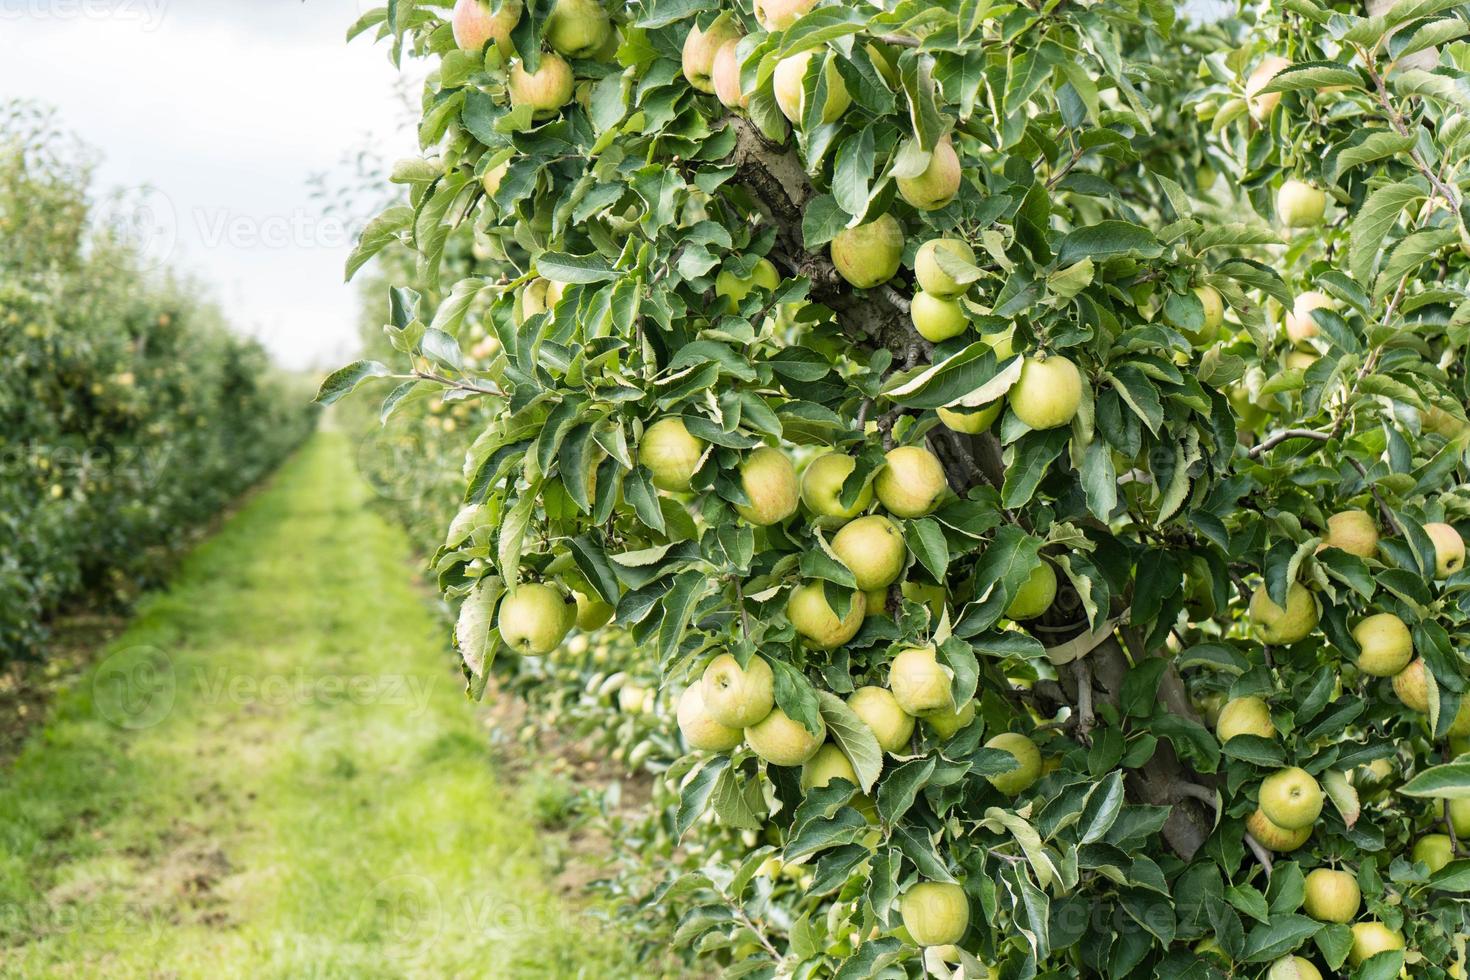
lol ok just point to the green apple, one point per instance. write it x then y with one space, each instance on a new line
1272 837
877 600
1385 645
1261 106
577 28
1449 549
777 15
971 421
1460 727
1353 531
783 742
926 594
1027 754
531 300
545 90
935 913
592 612
919 682
535 618
870 253
702 732
1300 205
738 697
828 764
1048 392
1291 799
1293 968
493 177
946 722
808 611
1214 313
912 483
670 453
873 550
1300 360
1332 896
1300 325
733 289
770 484
726 74
1275 625
821 487
790 89
1434 850
1244 716
1035 595
700 48
474 24
1436 419
939 182
1372 938
936 318
1412 685
1459 814
877 708
931 275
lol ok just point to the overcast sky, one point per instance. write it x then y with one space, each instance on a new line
226 108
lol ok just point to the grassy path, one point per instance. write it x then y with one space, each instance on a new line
274 773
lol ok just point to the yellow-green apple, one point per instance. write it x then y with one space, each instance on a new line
935 913
790 88
1048 392
873 550
475 24
1459 814
971 421
770 484
736 696
726 73
1291 799
1018 780
671 454
493 177
1460 726
592 612
946 721
1276 625
926 594
702 732
930 273
577 28
1372 938
1449 549
1436 419
1035 595
1353 531
828 764
912 483
1385 645
919 682
545 90
821 487
1244 716
1332 896
880 711
1293 968
781 741
777 15
877 602
1300 205
1272 837
633 699
1412 685
1435 850
700 48
936 318
1214 311
814 619
535 618
869 254
1300 360
937 185
734 288
1300 325
1261 106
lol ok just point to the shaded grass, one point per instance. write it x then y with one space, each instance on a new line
274 773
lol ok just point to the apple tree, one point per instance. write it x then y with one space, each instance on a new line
1027 441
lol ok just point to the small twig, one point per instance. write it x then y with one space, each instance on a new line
1085 719
863 410
1285 434
1260 852
1388 517
744 616
1202 793
899 40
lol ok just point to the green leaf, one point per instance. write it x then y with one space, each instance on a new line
796 696
378 234
343 380
1376 146
926 540
1106 240
1374 219
854 738
567 268
695 793
1450 781
1313 75
1278 937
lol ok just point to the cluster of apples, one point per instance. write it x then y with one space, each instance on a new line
574 29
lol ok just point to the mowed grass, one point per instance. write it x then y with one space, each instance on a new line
275 773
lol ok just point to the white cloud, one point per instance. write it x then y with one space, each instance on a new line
225 108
